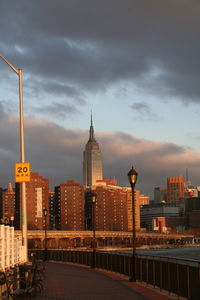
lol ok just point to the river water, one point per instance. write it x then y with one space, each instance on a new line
189 253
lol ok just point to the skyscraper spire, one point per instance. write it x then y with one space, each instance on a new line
91 119
91 137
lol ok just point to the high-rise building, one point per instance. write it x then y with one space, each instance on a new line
113 207
110 207
71 206
37 198
1 204
160 194
92 160
175 188
8 204
52 223
56 213
140 200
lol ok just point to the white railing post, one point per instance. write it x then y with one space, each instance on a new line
2 248
7 242
12 252
12 255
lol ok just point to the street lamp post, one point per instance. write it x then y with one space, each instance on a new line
132 177
94 198
22 160
12 221
45 211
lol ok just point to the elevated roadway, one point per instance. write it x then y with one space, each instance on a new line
64 239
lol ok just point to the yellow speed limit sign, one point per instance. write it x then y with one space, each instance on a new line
22 172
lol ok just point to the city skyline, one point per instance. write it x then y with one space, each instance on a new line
136 64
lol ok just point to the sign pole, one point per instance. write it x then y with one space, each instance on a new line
22 157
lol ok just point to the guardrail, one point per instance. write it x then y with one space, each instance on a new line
11 249
177 276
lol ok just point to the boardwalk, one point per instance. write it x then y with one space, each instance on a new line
70 282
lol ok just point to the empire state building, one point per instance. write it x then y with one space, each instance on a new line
92 160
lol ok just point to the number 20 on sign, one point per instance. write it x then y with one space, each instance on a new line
22 172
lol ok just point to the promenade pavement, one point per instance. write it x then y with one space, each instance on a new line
71 282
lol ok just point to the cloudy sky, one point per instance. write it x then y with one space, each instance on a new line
134 63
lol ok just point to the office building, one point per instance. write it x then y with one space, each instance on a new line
160 194
151 211
192 204
175 188
92 160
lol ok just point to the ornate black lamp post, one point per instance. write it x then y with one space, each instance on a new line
45 211
94 198
132 177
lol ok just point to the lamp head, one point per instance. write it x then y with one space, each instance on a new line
94 198
45 211
132 177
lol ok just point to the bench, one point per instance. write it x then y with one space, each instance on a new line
35 274
22 282
17 287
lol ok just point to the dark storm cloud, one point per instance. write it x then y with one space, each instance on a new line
92 44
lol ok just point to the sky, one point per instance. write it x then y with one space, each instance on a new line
134 63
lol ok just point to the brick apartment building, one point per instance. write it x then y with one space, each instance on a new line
8 205
113 207
140 200
52 221
37 198
70 197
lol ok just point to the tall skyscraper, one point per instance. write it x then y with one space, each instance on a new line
92 160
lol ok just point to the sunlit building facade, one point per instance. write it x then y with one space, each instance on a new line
175 188
8 205
37 198
71 206
110 208
140 200
92 160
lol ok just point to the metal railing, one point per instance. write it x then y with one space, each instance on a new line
177 276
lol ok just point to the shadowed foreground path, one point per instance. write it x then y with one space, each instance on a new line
71 282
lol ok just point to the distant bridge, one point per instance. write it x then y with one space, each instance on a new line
59 239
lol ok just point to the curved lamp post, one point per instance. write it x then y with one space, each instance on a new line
22 159
45 211
132 177
94 199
